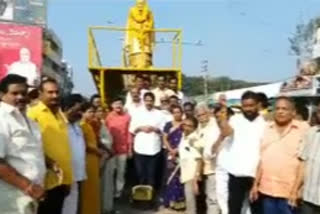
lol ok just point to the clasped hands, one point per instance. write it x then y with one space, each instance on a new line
148 129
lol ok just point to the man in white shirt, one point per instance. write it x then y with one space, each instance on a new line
188 108
136 103
22 165
146 128
174 101
161 91
71 107
24 67
222 100
208 134
139 83
146 84
246 131
165 109
173 85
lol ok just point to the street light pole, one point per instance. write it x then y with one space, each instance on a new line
204 70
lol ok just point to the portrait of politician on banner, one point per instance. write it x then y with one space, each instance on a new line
25 67
21 52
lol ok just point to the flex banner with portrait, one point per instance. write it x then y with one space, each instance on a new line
21 51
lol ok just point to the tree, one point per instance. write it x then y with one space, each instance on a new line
193 86
301 42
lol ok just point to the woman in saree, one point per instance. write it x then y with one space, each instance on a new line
90 189
173 196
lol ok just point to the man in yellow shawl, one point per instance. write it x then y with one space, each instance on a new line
140 39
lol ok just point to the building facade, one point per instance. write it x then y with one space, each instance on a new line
54 65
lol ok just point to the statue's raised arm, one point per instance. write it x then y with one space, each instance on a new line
140 38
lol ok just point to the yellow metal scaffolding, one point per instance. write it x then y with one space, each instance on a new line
102 75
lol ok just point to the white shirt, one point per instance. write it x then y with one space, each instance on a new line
160 93
208 135
245 145
147 143
224 154
78 147
21 148
129 100
189 155
179 94
143 91
167 116
27 70
133 108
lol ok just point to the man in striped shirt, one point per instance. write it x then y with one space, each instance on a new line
310 155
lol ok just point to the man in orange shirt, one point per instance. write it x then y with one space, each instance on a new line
118 124
277 181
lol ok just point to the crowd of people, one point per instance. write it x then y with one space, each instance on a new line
69 155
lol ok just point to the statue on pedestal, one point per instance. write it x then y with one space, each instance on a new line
140 39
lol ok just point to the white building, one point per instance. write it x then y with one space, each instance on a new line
271 90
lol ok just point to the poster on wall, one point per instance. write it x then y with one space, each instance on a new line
21 51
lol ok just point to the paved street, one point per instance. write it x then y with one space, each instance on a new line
125 207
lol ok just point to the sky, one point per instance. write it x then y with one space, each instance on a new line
242 39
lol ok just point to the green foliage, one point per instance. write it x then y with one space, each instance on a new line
302 40
193 86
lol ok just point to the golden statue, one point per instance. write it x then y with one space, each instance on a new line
140 38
